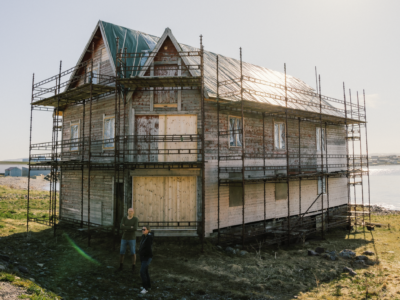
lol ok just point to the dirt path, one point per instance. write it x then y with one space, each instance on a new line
9 291
22 183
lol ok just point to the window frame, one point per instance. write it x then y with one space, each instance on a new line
235 134
71 147
319 141
104 119
284 126
324 192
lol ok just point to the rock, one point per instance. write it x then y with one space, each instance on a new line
4 257
362 257
350 271
238 246
40 265
368 253
243 253
31 279
2 268
360 262
326 255
312 253
23 269
390 252
94 298
219 247
346 253
320 250
230 250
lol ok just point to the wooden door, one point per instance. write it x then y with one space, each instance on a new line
165 199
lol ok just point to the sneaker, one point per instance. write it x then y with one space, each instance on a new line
144 291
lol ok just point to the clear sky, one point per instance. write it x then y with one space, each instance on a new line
352 41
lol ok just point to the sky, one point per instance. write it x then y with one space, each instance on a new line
355 42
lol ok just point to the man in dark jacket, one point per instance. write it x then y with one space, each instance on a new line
129 225
146 255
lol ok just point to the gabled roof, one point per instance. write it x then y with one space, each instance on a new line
229 69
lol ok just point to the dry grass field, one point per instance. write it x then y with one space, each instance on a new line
65 268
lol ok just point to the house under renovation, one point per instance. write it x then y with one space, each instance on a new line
197 143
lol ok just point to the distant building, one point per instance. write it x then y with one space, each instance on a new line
13 171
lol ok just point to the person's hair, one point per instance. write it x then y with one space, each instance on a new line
148 227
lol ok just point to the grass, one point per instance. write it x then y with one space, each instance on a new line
179 269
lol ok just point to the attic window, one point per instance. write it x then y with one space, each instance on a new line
108 132
166 48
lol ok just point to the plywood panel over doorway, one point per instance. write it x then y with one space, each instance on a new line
166 199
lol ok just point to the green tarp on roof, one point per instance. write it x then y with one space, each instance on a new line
134 41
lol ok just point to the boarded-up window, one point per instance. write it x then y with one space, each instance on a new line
281 191
235 132
320 135
279 136
321 185
235 196
108 132
74 136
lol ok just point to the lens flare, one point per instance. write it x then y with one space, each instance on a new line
80 251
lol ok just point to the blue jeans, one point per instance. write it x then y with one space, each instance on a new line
132 245
144 273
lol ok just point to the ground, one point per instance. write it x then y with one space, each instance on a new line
64 267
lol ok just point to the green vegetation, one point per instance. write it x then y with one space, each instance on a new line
179 269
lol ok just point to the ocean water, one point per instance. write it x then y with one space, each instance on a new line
384 187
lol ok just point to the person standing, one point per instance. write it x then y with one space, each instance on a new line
129 225
146 255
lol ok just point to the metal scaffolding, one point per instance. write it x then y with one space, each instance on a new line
84 89
299 166
123 152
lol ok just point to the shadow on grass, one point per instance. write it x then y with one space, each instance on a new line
70 268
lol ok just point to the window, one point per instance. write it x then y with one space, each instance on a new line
281 191
95 74
320 140
321 185
74 136
235 196
235 132
279 136
108 132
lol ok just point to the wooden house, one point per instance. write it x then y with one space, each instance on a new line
195 142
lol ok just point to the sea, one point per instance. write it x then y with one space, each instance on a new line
384 187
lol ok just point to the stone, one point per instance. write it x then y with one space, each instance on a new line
31 279
230 250
362 257
326 255
360 262
238 246
320 250
368 253
350 271
219 247
94 298
4 257
243 253
312 253
346 253
23 269
40 265
2 268
390 252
